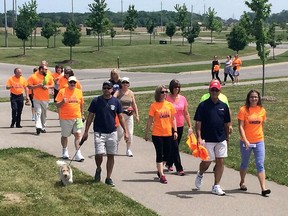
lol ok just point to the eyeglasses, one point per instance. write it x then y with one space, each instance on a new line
105 88
163 92
125 82
72 82
176 87
253 96
214 90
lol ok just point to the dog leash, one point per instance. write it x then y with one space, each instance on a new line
80 144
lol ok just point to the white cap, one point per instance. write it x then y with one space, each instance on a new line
125 79
72 78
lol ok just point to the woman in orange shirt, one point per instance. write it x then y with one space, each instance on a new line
251 118
162 115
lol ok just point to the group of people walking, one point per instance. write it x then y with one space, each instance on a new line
231 69
113 113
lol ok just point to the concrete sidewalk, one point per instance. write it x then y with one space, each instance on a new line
136 177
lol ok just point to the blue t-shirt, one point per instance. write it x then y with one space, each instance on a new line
213 117
105 111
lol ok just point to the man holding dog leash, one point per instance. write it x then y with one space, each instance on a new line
105 108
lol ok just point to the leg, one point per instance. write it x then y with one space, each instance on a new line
14 110
203 166
109 165
219 168
225 77
20 104
38 114
130 128
245 157
158 144
231 77
98 161
64 141
217 76
44 106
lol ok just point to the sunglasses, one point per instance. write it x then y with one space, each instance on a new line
125 82
72 82
163 92
105 88
214 90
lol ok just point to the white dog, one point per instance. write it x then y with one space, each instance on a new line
64 172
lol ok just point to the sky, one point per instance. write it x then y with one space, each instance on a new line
225 8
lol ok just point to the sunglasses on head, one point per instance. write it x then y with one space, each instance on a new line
105 88
163 92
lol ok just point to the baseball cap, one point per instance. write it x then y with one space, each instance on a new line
107 83
125 79
215 84
72 78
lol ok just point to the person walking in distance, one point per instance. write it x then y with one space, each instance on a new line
40 82
251 118
162 116
56 76
105 108
215 68
128 102
228 71
69 102
212 130
236 68
17 86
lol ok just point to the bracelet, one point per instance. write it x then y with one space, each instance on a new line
175 132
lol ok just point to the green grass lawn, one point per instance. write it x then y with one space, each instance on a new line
275 128
30 186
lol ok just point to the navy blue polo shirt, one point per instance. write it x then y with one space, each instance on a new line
213 117
105 111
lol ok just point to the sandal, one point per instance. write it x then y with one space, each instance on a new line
243 187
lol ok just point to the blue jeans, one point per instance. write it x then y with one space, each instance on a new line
259 154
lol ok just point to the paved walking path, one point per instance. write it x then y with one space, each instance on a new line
136 177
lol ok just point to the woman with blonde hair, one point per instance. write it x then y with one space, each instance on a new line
116 81
162 116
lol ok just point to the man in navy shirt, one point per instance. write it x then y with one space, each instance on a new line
105 109
212 130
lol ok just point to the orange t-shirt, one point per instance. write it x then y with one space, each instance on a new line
40 93
253 122
63 83
162 113
237 62
216 68
72 108
18 84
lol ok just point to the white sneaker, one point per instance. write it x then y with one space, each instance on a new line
216 189
79 157
65 154
129 153
198 180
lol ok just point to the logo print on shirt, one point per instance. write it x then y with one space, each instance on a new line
164 114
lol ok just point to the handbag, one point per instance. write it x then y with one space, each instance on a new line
129 111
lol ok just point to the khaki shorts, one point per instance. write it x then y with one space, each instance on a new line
69 127
216 149
106 143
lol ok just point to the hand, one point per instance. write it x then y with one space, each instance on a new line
175 136
126 136
230 129
84 137
64 100
146 137
137 119
190 131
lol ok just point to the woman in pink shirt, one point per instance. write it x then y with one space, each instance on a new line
182 114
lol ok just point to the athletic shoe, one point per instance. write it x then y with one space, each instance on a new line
181 173
109 182
65 154
79 157
129 153
33 117
38 130
216 189
42 130
198 180
163 180
169 168
97 176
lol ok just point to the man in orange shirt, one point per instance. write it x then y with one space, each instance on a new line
40 83
69 102
17 85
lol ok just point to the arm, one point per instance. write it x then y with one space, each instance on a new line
227 126
135 108
242 133
87 126
175 135
187 117
230 123
148 127
123 125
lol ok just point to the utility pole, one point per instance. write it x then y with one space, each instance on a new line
191 16
161 21
122 22
6 31
73 11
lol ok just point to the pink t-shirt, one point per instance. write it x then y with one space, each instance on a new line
180 103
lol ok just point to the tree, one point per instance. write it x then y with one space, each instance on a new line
112 34
96 19
47 31
182 18
71 36
130 22
273 39
150 26
212 23
191 34
237 39
26 22
262 10
170 30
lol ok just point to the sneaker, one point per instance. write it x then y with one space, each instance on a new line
169 168
216 189
79 157
65 154
198 180
109 182
33 117
43 130
163 180
97 176
181 173
38 130
129 153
